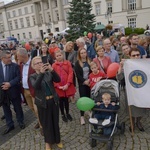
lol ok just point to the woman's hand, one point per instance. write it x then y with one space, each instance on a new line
98 103
44 67
86 82
65 87
49 67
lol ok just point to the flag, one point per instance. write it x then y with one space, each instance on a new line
137 78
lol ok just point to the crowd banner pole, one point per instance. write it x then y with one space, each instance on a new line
131 121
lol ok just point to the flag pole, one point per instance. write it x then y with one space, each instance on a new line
131 121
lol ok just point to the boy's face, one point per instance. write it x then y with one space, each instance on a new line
106 100
94 69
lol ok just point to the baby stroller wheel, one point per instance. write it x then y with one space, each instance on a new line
110 145
122 127
92 142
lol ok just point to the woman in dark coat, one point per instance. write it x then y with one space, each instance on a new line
82 69
46 100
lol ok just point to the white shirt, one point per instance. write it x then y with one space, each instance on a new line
25 74
4 68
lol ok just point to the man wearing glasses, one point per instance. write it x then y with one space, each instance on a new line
10 91
137 113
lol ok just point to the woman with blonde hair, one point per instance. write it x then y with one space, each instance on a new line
82 69
65 87
71 55
46 100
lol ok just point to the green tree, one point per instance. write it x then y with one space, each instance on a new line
80 18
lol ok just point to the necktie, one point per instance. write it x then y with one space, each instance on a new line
6 73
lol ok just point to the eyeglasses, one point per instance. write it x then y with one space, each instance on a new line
136 55
38 63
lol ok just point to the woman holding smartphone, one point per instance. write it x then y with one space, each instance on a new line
46 100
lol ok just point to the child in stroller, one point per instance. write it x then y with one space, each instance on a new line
105 116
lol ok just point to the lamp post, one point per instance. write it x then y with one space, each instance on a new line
108 15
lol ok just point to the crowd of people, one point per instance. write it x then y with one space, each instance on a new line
44 76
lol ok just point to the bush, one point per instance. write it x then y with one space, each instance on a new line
129 31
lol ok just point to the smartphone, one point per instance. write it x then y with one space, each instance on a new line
44 60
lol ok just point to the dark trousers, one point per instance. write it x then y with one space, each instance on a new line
84 91
49 119
64 104
18 110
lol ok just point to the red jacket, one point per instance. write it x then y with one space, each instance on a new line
94 78
65 71
106 62
31 71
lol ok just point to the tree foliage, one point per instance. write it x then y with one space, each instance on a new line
80 18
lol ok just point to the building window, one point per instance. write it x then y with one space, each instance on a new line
110 22
66 14
132 22
97 9
21 23
24 35
55 3
28 21
49 17
32 11
41 19
10 25
109 7
8 15
19 12
1 28
26 10
98 23
65 2
18 36
57 16
30 35
1 17
131 4
14 13
16 24
33 20
57 29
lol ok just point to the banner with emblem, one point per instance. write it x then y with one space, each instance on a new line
137 78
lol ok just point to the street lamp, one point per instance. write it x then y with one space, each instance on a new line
108 15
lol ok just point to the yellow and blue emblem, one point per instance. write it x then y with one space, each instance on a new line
137 78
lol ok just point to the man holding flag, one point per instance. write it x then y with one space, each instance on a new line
135 81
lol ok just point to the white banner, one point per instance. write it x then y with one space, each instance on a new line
137 77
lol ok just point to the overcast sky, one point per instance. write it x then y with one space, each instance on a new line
6 1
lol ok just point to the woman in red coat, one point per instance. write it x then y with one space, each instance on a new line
65 87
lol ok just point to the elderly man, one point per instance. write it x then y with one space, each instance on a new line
113 54
10 91
26 71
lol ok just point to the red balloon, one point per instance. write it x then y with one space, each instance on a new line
27 46
90 35
112 70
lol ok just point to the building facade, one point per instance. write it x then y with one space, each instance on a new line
30 19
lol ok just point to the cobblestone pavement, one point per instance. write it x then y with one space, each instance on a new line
73 135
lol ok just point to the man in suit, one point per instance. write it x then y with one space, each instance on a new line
10 84
26 71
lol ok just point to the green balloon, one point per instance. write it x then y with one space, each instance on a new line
85 104
85 33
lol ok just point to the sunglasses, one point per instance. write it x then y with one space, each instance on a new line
136 55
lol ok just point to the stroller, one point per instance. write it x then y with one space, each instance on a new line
111 87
